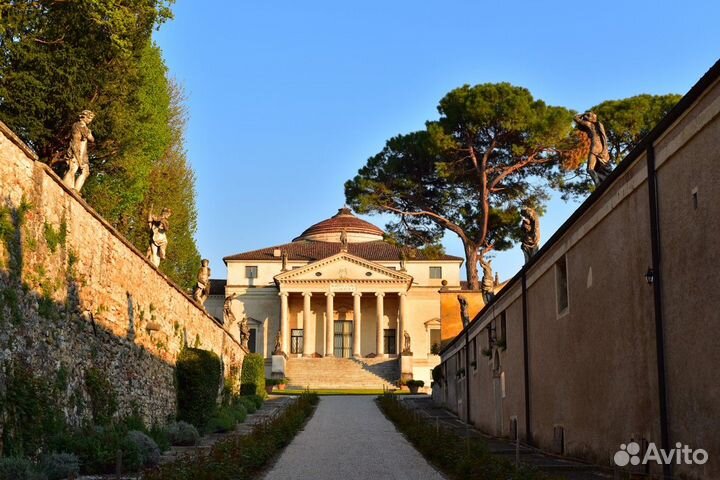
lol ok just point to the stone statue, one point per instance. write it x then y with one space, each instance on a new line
406 345
202 288
531 232
284 260
464 315
598 161
278 347
228 315
76 156
487 284
402 260
244 333
343 241
158 236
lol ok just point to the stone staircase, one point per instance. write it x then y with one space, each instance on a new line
342 373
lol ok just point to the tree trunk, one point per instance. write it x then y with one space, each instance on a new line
471 266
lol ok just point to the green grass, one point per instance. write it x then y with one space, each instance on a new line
322 392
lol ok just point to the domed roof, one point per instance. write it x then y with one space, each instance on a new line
329 230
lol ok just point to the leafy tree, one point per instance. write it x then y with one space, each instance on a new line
626 122
58 58
468 172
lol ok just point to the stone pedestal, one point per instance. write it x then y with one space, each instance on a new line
406 367
278 366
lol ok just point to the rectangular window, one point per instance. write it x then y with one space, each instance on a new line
296 340
435 341
251 272
390 341
473 352
251 341
435 272
503 328
561 285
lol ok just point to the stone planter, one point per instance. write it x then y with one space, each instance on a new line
281 386
413 388
269 389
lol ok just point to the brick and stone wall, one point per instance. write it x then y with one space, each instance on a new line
75 295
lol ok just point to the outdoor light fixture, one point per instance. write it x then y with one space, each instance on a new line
650 276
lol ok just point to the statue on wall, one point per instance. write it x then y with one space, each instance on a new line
531 232
343 241
158 227
406 343
284 260
464 315
598 161
228 315
244 333
403 256
76 156
202 288
487 284
278 348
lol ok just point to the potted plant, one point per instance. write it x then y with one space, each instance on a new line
414 385
270 384
282 383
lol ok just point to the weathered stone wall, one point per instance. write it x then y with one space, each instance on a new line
75 295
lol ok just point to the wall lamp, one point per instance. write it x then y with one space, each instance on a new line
650 276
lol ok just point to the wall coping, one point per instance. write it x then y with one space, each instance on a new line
5 130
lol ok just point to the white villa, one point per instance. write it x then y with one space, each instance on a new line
339 290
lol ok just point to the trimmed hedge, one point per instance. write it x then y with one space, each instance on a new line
241 456
252 378
198 382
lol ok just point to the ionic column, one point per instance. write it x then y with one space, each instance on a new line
356 323
329 324
308 337
284 323
380 315
401 321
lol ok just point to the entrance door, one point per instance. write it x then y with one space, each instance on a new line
343 338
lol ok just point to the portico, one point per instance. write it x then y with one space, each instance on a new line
342 306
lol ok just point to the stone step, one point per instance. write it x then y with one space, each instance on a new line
342 373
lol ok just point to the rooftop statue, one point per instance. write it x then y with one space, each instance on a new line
464 316
244 334
284 260
76 156
158 227
202 288
598 161
343 241
228 315
531 232
487 285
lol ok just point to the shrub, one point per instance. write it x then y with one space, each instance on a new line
182 434
257 400
97 447
58 466
252 378
415 383
437 373
198 382
160 435
12 468
103 400
146 446
241 456
222 421
248 403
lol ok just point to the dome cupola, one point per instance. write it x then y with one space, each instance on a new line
330 230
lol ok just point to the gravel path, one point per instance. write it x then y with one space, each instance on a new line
349 438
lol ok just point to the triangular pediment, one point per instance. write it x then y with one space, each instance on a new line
343 267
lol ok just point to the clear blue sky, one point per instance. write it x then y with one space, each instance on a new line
288 99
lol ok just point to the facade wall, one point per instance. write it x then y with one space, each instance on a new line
687 161
593 367
76 295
